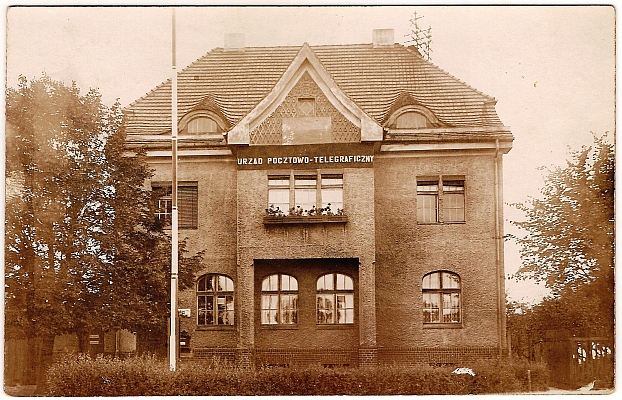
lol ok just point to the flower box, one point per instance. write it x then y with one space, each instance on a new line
299 219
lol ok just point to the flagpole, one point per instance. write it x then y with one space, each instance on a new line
174 222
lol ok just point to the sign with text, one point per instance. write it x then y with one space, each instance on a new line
336 155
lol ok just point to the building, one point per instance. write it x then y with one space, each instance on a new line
392 251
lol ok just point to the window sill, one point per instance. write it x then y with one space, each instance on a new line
455 325
215 327
319 219
442 223
279 327
335 326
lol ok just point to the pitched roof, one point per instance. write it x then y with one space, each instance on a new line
373 78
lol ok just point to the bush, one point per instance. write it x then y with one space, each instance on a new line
147 376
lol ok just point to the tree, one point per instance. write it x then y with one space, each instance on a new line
569 241
83 249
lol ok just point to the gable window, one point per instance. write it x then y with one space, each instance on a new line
307 191
279 300
202 125
411 120
441 298
187 205
306 107
440 200
215 304
335 299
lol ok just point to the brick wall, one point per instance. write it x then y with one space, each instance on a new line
406 251
216 234
306 334
354 240
393 251
435 356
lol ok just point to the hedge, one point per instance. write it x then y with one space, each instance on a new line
147 376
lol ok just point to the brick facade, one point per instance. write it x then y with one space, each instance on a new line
379 243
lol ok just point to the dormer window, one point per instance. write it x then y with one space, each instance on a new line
202 125
411 120
411 117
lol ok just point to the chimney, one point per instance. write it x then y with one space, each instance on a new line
234 42
383 38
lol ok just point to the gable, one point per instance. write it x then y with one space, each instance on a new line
341 120
305 116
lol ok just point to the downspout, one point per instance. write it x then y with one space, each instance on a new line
498 261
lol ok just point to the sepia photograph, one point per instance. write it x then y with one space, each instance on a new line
309 200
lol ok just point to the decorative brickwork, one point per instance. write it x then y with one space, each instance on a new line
368 357
214 354
244 358
291 357
411 356
352 357
270 130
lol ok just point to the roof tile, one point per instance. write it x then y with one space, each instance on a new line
372 77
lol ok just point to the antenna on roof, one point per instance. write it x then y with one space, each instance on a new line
421 38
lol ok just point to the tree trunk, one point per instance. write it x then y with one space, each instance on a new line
82 341
44 350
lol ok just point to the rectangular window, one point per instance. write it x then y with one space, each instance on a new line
427 202
269 308
187 205
453 201
332 192
345 309
305 192
431 306
278 193
309 193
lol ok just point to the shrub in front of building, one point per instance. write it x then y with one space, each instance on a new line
147 376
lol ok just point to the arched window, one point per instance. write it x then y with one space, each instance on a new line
215 300
335 299
202 125
411 120
279 300
441 297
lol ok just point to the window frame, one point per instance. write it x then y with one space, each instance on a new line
420 120
442 195
196 120
428 195
279 188
215 294
445 195
221 125
187 204
441 292
318 176
335 292
301 186
279 293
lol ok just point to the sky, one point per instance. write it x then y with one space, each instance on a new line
551 68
